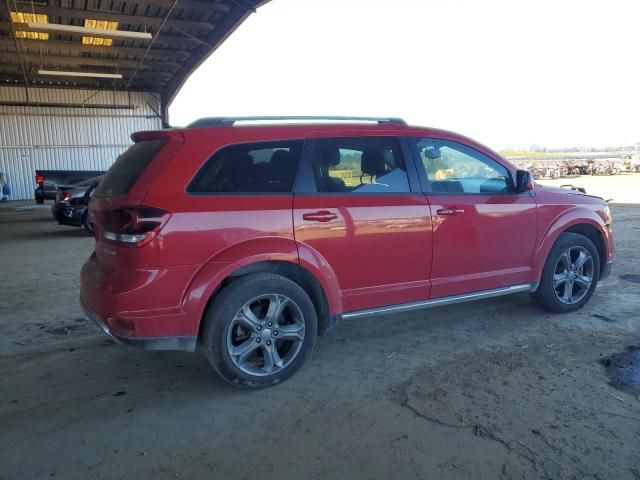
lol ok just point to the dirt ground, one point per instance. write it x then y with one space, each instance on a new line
493 389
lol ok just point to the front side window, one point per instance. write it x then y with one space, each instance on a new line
359 165
265 167
455 168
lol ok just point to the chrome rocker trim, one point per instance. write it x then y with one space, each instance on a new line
436 302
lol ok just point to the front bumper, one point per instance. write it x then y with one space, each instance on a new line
148 343
606 271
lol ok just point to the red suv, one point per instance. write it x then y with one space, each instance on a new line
252 237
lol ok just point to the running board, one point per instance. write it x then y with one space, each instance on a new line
436 302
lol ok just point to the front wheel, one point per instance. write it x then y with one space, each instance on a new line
570 274
259 330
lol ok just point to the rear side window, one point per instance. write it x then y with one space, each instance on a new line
265 167
128 168
359 165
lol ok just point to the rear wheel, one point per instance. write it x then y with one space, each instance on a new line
570 274
259 330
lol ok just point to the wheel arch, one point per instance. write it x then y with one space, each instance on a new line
295 273
280 255
596 237
582 221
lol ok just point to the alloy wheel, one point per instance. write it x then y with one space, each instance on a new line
573 275
266 334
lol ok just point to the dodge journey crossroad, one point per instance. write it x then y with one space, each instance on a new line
251 236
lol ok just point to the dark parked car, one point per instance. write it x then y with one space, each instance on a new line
48 181
71 207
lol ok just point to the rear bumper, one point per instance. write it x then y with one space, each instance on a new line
139 307
148 343
606 271
69 214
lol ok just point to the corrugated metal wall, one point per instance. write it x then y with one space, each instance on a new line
79 138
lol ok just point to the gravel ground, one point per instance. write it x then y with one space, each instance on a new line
493 389
39 280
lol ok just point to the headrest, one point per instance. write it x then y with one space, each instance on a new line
280 159
329 156
283 164
372 163
242 161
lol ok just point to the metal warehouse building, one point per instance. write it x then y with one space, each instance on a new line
78 77
64 137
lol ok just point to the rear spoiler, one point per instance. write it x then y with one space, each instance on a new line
170 134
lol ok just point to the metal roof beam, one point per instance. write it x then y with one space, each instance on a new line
161 37
146 77
77 83
45 59
194 5
80 48
81 14
126 71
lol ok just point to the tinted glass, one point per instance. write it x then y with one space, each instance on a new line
128 168
455 168
359 165
266 167
89 182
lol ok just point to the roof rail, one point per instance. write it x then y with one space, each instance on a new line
227 121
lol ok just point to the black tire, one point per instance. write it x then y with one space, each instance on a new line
546 293
86 223
228 303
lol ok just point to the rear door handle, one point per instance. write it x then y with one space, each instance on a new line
321 216
450 211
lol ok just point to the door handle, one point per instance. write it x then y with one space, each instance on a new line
450 211
321 216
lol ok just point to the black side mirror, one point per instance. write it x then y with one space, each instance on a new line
524 181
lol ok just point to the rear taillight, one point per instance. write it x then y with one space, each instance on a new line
132 226
65 196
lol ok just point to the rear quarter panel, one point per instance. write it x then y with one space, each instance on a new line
216 234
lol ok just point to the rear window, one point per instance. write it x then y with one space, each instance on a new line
89 182
128 168
264 167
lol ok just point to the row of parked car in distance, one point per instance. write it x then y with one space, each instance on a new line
71 191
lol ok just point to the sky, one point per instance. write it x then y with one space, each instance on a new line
554 73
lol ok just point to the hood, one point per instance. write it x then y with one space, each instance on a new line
568 190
